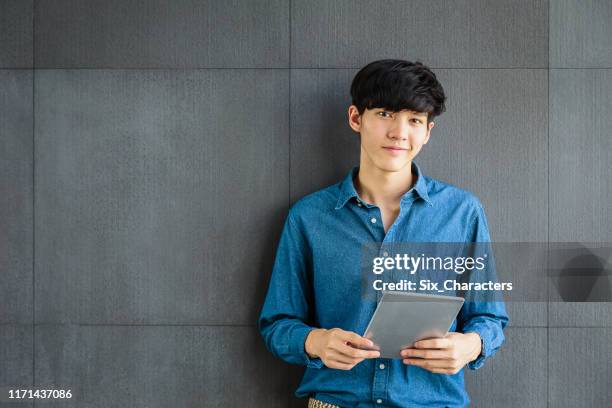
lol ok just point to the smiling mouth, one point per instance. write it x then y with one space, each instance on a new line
393 148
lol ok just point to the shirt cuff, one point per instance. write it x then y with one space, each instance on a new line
484 352
299 342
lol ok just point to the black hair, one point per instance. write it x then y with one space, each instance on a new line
396 85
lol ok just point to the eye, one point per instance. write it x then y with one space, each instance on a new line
417 120
384 113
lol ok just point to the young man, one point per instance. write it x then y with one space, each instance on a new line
314 308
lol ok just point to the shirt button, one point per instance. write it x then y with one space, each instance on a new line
385 253
382 366
373 220
379 401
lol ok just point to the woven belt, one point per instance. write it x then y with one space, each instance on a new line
315 403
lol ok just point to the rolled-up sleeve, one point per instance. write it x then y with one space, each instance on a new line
483 314
283 321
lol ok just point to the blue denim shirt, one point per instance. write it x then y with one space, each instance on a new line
316 283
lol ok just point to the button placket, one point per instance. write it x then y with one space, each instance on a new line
381 378
373 220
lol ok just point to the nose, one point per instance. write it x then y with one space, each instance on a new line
399 131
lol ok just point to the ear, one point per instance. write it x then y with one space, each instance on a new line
354 118
430 126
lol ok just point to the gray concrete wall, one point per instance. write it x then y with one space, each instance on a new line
149 151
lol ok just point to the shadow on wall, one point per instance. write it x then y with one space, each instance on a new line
583 274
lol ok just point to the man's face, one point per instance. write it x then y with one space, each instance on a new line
390 140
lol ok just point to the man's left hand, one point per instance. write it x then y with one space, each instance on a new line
443 355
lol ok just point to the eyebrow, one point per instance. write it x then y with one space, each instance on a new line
414 113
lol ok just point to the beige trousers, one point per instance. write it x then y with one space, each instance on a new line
315 403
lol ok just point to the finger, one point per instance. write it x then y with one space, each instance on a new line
426 353
374 347
354 352
437 343
341 358
442 371
358 341
427 364
436 370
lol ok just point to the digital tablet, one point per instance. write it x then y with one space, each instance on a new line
402 318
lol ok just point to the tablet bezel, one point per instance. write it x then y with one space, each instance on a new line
409 297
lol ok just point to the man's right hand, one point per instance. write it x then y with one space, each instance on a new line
338 348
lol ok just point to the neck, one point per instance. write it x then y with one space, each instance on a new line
383 188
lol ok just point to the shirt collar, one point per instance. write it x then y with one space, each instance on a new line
347 187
